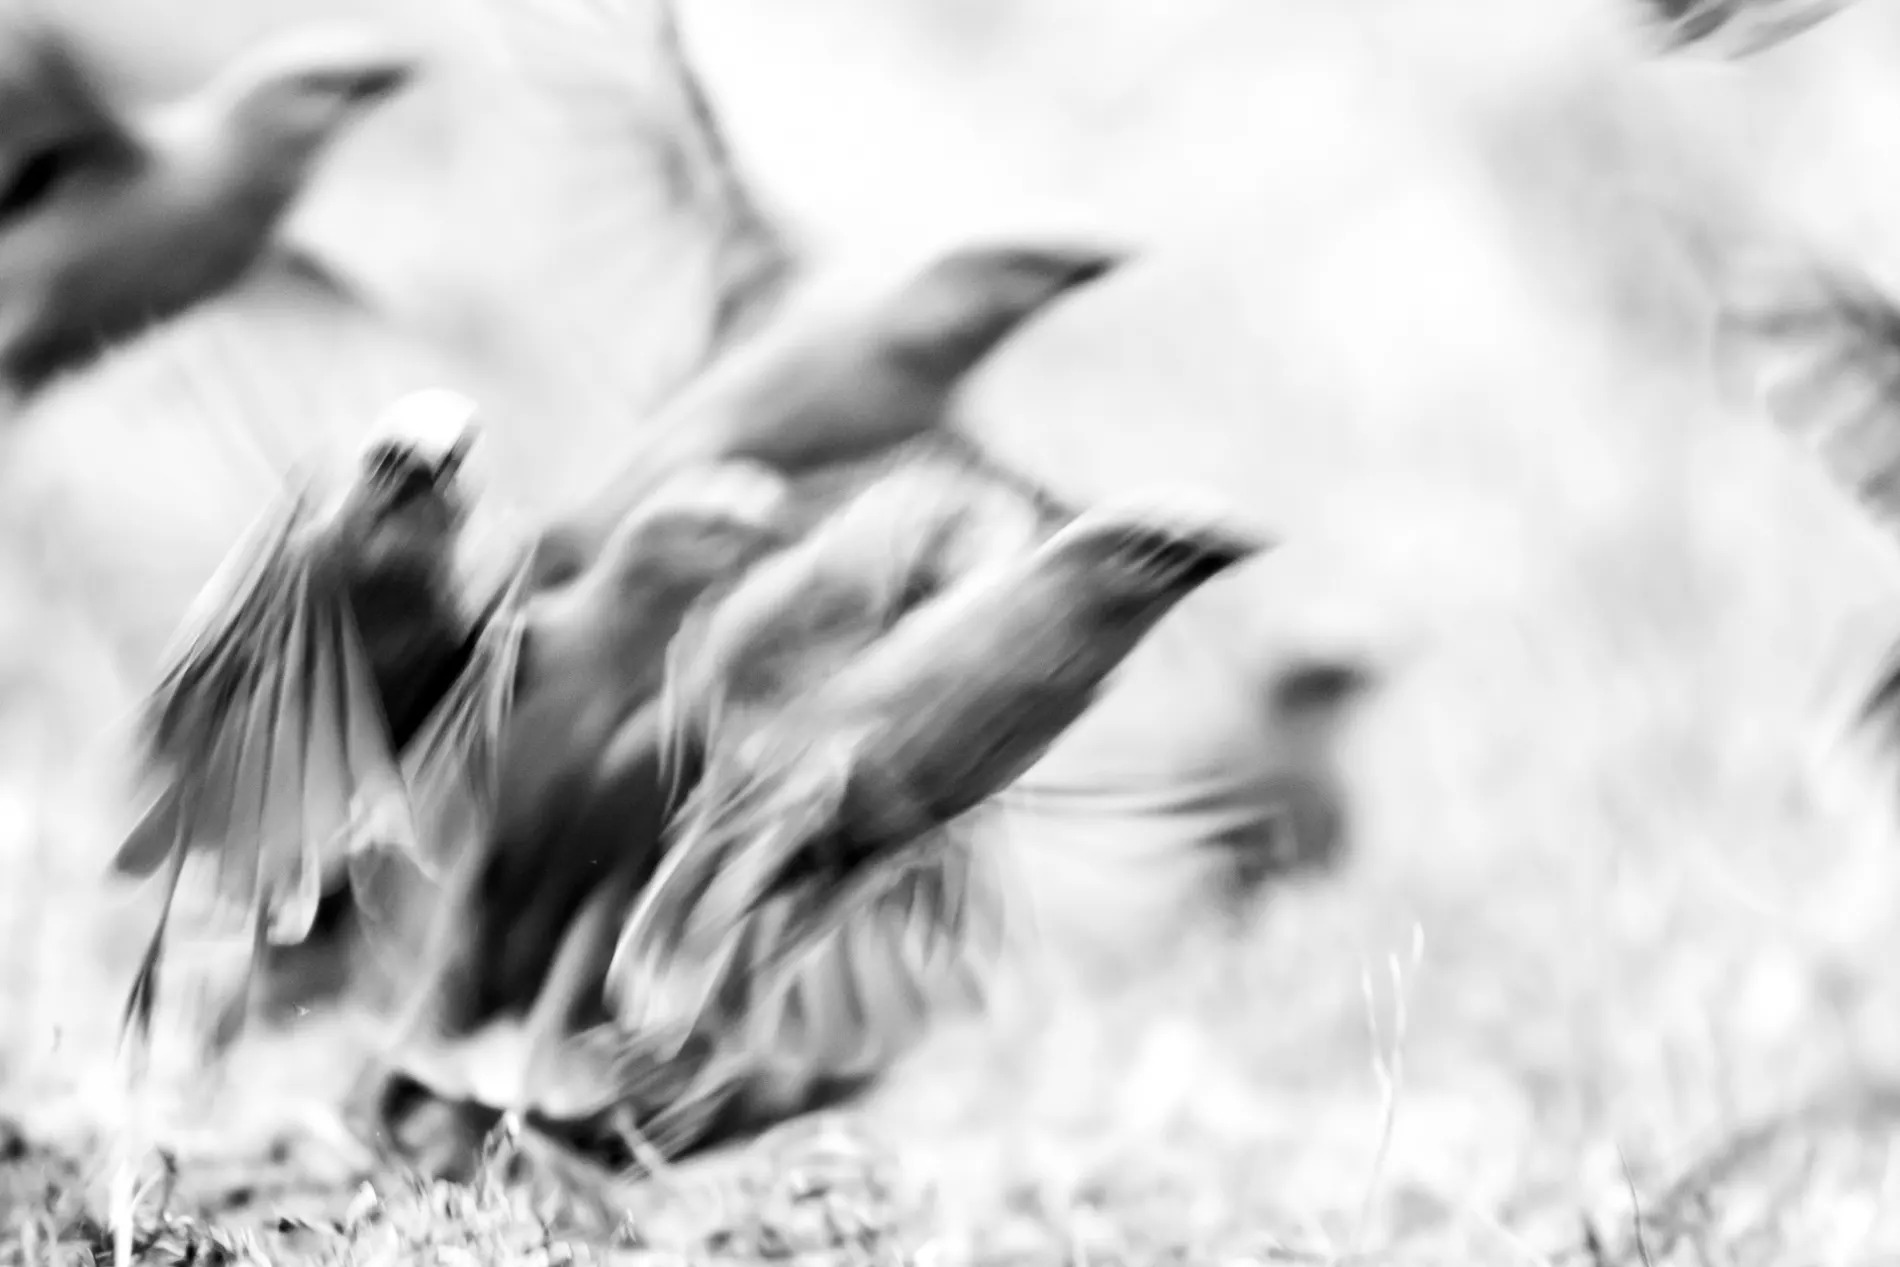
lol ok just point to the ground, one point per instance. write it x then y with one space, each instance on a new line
1606 977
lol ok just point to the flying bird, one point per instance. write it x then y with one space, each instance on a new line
307 665
1819 343
1734 29
804 394
115 219
840 793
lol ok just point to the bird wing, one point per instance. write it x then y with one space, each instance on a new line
451 769
831 1002
264 732
47 95
886 534
760 803
1734 29
663 254
1821 346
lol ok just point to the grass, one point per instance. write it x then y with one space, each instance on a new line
1607 977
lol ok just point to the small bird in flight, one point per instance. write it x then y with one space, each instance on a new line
113 219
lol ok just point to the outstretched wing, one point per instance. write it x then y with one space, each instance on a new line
264 733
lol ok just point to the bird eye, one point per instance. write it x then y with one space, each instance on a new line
35 180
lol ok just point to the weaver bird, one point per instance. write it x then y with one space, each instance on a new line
114 219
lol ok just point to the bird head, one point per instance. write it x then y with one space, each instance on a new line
1143 555
961 307
402 514
283 102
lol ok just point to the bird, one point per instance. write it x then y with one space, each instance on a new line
1734 29
584 785
911 523
804 1014
578 692
305 667
508 1011
114 220
837 794
802 395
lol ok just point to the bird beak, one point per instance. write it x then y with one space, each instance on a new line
371 82
1081 265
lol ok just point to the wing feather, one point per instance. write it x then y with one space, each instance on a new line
262 731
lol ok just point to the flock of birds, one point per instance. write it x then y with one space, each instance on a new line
652 823
656 821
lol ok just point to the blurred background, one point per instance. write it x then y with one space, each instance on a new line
1430 287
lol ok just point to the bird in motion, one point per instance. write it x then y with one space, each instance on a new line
1734 29
850 697
114 219
409 614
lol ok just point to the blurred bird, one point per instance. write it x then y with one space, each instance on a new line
1735 29
308 663
113 219
510 1011
802 394
916 523
1820 345
838 795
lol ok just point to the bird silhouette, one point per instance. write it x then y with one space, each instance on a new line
113 220
838 792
